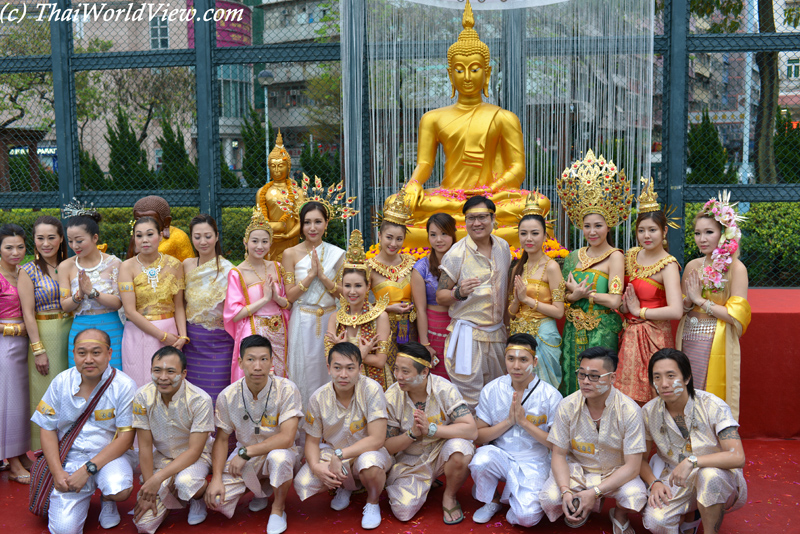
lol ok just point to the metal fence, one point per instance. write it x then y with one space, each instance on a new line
110 106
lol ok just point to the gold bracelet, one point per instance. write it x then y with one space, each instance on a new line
249 313
186 338
287 305
38 352
643 314
426 344
302 287
38 345
163 339
8 330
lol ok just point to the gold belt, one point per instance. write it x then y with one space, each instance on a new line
584 320
159 317
53 315
273 322
411 316
319 312
531 326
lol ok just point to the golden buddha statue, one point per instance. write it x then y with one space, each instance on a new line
482 143
285 225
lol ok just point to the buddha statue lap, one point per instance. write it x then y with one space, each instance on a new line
482 143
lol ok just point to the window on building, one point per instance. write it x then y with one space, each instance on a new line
236 90
159 33
793 70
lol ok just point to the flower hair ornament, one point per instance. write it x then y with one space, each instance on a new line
333 198
722 211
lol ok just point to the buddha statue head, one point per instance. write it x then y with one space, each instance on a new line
468 60
279 161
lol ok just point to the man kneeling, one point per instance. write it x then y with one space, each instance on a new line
598 441
349 414
175 418
430 433
515 413
699 460
96 458
264 411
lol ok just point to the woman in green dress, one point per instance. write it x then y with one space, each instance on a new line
596 199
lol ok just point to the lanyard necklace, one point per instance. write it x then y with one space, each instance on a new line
538 381
246 417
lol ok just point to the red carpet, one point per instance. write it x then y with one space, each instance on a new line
773 479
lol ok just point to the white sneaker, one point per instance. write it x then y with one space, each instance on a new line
109 515
258 504
485 513
277 524
341 500
197 511
372 516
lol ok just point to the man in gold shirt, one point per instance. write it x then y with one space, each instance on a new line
345 433
175 242
474 285
598 441
173 420
264 411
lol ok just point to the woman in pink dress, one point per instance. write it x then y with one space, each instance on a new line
256 299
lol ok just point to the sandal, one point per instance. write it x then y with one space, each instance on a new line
616 524
580 523
451 511
20 479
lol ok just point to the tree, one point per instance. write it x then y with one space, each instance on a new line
127 162
92 176
323 165
229 178
707 156
324 109
177 171
254 163
787 149
90 98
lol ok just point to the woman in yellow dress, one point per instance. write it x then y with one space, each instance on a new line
596 198
391 276
715 286
151 287
535 307
359 322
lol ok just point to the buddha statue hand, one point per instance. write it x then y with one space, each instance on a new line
414 194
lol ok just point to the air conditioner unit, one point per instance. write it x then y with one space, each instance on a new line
294 92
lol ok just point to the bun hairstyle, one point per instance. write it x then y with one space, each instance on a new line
140 221
204 218
90 221
520 263
61 253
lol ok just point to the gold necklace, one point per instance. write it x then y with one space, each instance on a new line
256 272
541 278
355 319
15 275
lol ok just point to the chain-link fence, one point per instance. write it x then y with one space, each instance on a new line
139 109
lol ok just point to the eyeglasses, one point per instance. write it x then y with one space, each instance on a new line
472 219
592 378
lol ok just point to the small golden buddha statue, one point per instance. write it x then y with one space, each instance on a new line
482 143
285 225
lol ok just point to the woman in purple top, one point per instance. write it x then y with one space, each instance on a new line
433 319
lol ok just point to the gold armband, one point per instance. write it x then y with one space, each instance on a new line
615 287
126 287
288 278
384 346
122 429
559 292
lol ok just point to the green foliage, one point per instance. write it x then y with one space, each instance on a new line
177 171
787 148
20 175
229 179
92 176
90 102
254 163
128 162
323 165
707 156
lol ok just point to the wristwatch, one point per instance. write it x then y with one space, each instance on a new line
243 453
93 294
432 430
693 459
91 468
339 454
411 435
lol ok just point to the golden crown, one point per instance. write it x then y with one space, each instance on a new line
258 222
355 257
333 198
398 211
648 199
279 152
534 205
593 185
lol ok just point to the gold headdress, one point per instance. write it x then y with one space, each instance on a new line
333 198
534 205
258 222
75 208
593 185
356 257
648 201
397 212
469 43
279 152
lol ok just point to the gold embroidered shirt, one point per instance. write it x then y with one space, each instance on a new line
341 426
283 403
487 304
158 301
599 451
190 410
205 293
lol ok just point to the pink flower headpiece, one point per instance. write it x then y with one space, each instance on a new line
722 211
